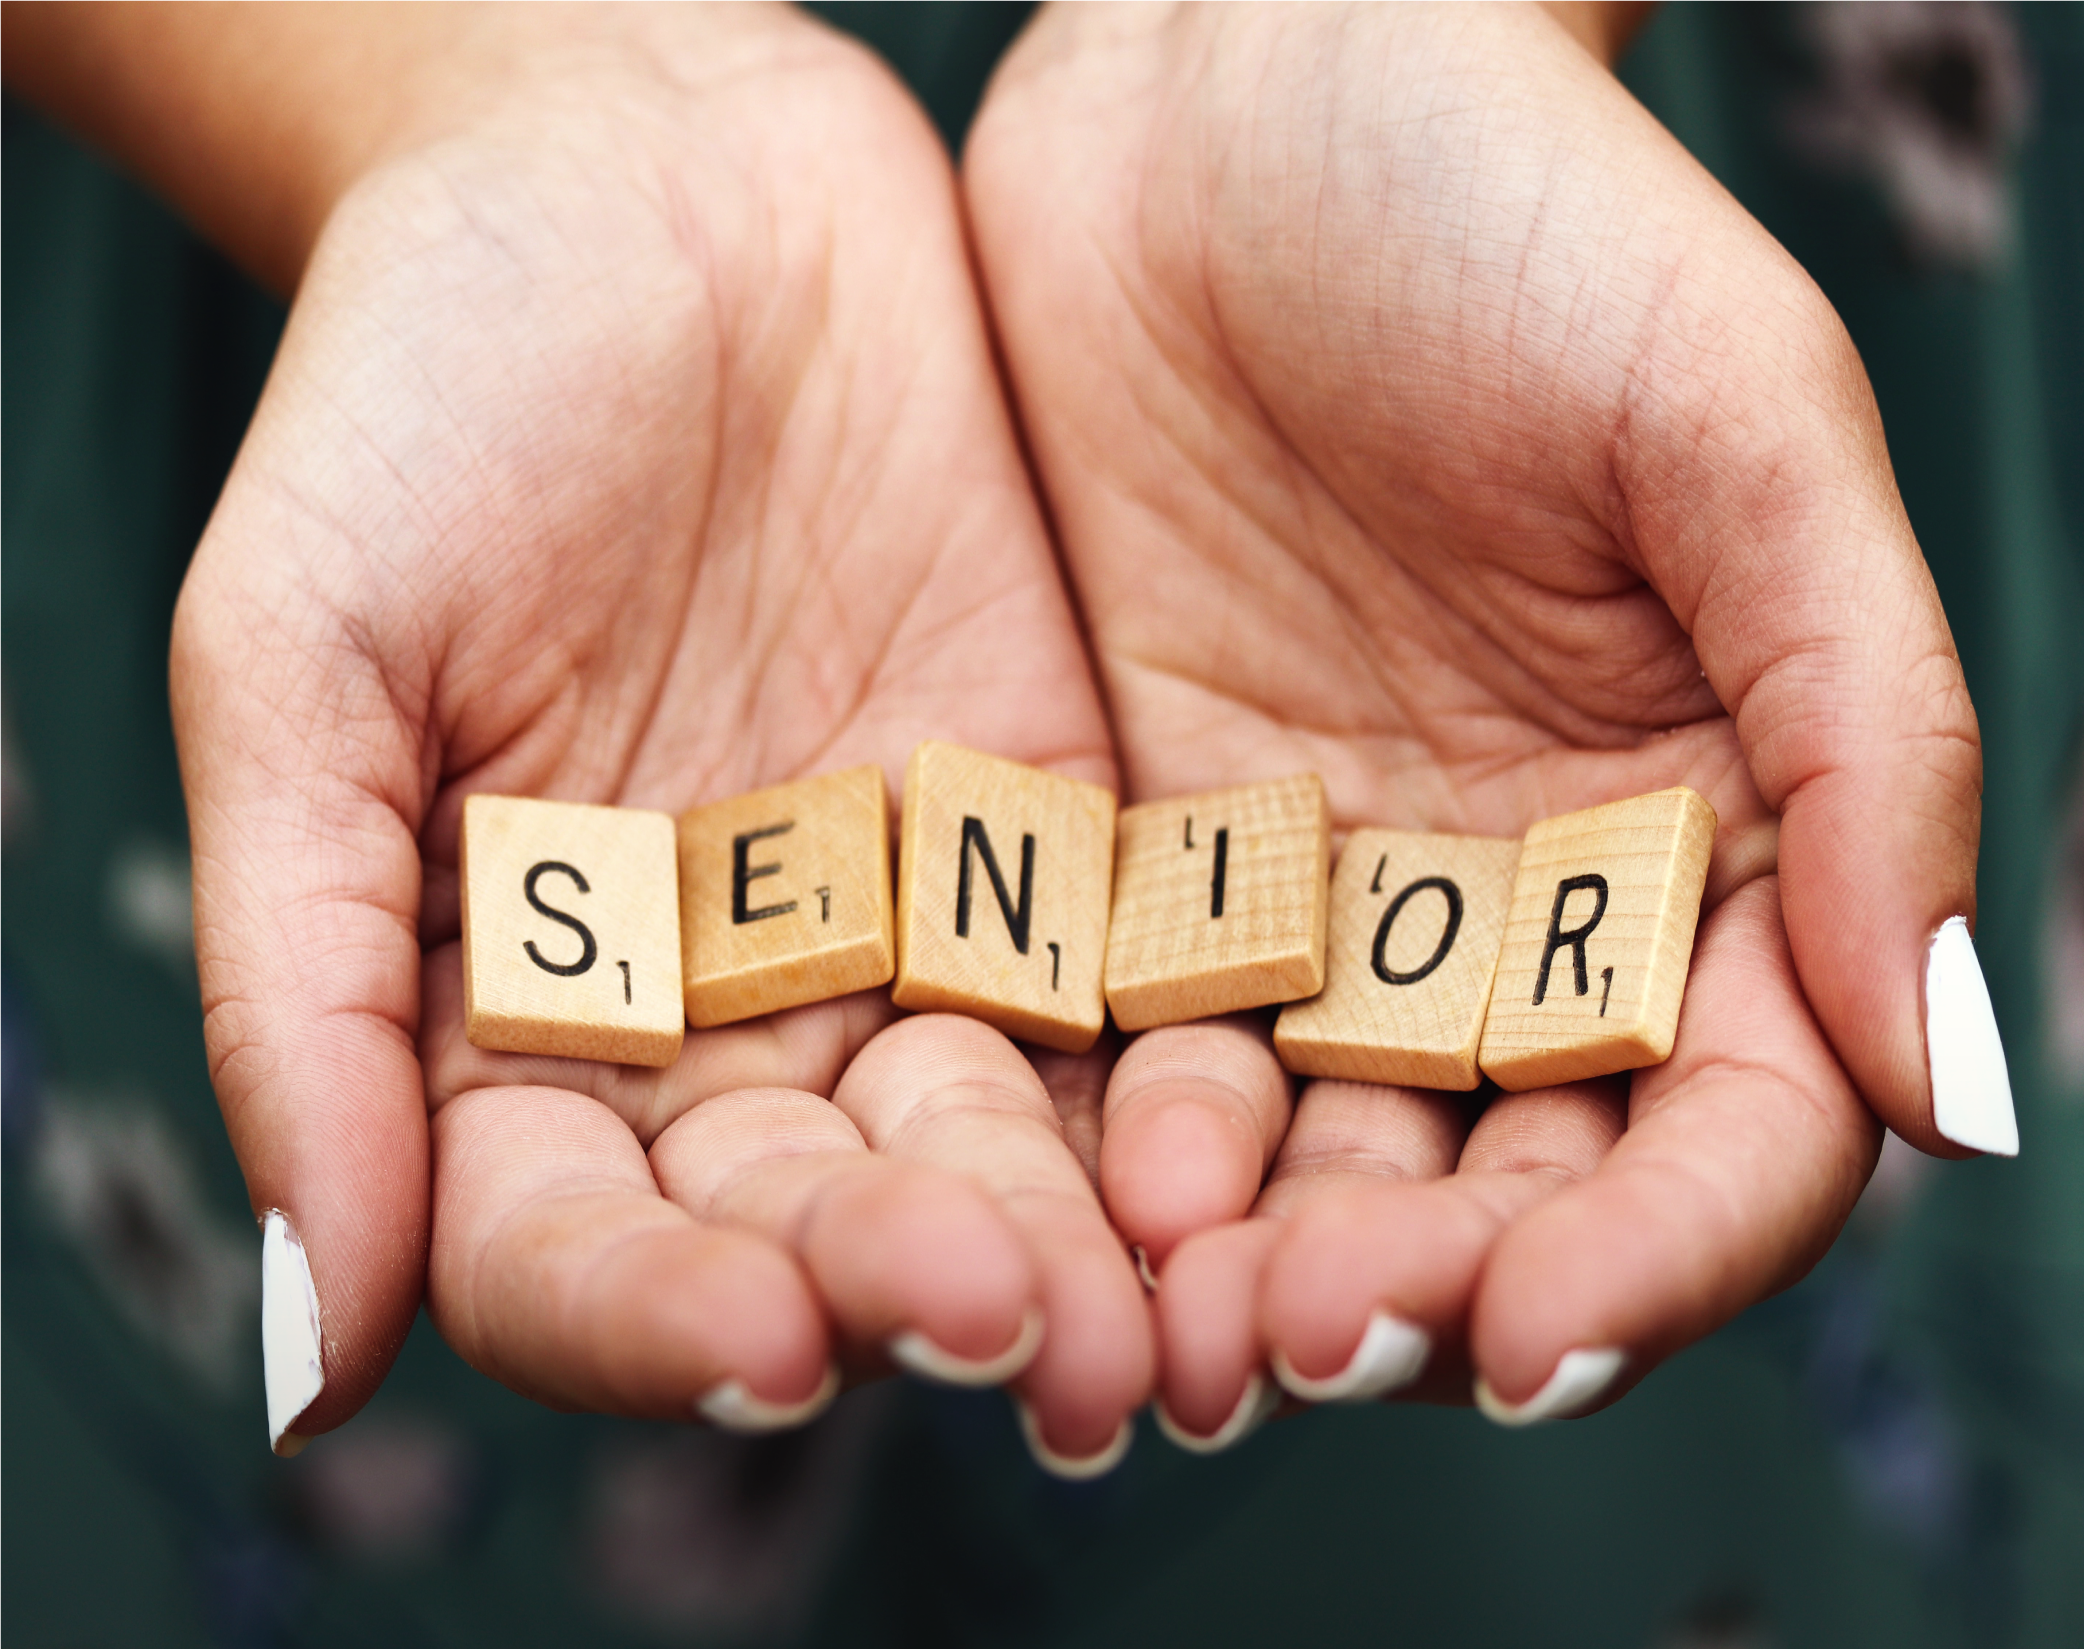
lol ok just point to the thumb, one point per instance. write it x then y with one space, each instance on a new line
1768 515
303 790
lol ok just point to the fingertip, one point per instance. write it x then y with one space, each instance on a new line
1192 1117
1177 1162
677 1314
1359 1289
344 1229
1582 1380
1099 1358
1877 884
730 1406
1073 1465
915 1352
921 1261
1208 1337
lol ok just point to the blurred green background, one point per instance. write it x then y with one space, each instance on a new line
1887 1454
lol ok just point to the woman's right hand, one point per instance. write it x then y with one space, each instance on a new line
634 439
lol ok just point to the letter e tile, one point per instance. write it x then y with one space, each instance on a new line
571 938
1598 940
1003 879
785 896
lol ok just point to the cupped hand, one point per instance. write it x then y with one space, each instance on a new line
1414 411
635 439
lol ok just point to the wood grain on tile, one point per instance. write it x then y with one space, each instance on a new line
1598 941
571 930
1416 926
786 897
1003 880
1220 902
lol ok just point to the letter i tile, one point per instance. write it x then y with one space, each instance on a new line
571 938
1598 941
1220 902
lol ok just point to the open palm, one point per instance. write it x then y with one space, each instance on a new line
636 442
1415 412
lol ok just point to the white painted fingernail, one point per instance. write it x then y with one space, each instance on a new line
1145 1274
1577 1381
1391 1354
731 1407
292 1365
1972 1094
1073 1469
1260 1398
914 1351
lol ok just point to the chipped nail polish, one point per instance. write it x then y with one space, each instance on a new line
292 1362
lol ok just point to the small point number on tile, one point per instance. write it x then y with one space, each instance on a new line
626 982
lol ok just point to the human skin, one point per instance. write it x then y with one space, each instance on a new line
634 439
1414 411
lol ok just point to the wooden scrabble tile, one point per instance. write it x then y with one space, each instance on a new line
1598 940
785 897
571 931
1003 875
1416 926
1219 902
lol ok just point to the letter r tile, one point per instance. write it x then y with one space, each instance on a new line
1416 925
785 896
1003 880
571 934
1598 941
1219 902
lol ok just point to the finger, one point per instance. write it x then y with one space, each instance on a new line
954 1094
1759 495
1192 1117
1347 1136
803 1049
905 1256
1212 1390
559 1269
303 786
1368 1290
1745 1152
